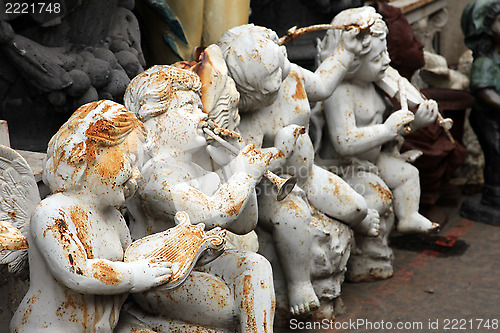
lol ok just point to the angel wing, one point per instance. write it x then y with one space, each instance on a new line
18 197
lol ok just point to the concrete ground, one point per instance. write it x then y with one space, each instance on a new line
444 283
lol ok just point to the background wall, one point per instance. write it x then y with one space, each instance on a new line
452 45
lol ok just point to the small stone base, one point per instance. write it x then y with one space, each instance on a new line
473 209
367 269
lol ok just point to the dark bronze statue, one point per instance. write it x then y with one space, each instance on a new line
481 26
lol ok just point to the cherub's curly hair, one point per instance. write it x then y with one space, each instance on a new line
149 94
366 15
242 48
92 126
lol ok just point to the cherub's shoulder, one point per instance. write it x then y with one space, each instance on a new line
53 205
51 210
347 89
162 167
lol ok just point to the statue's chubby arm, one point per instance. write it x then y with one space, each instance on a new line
168 190
321 83
71 262
348 137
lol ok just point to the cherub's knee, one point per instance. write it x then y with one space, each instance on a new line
358 208
255 261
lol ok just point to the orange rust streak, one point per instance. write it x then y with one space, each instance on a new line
248 304
384 193
265 321
80 220
62 234
112 162
236 208
300 92
106 273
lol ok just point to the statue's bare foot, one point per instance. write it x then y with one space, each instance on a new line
370 225
417 223
302 298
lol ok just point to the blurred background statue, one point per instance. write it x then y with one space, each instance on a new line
481 27
53 60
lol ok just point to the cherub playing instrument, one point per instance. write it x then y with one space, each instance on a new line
392 80
283 186
394 85
182 246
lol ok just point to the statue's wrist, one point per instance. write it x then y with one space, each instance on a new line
343 56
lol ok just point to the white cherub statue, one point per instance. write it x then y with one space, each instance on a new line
362 135
275 94
236 289
77 236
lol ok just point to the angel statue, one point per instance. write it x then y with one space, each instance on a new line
77 236
274 95
18 197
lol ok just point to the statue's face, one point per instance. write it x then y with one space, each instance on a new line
375 62
181 125
113 176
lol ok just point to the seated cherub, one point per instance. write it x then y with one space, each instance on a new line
237 287
276 94
359 129
77 236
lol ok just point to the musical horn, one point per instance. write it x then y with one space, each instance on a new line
283 186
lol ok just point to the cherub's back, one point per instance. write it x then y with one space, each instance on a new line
291 107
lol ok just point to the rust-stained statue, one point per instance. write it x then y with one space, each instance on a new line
274 95
362 146
11 238
77 236
236 289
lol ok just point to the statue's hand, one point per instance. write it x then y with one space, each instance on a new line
255 161
354 43
398 120
220 155
147 274
426 114
286 138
